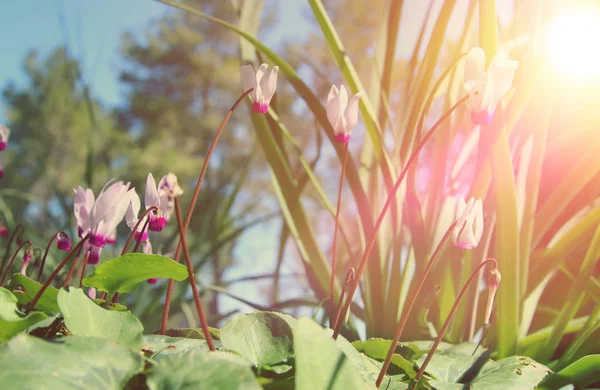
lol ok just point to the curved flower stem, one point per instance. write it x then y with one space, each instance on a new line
132 234
137 242
391 196
84 266
335 233
449 318
18 228
72 268
411 303
73 251
349 279
46 254
192 277
163 324
12 260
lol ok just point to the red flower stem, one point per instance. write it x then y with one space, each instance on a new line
335 234
84 266
46 254
192 278
137 242
72 268
449 318
167 307
12 260
73 251
391 196
349 279
132 234
411 303
19 228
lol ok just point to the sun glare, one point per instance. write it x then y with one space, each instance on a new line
572 43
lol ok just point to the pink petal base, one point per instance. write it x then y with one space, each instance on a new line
3 231
152 280
260 108
63 244
482 117
342 138
2 145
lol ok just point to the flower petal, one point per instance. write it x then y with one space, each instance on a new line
269 84
131 216
151 197
333 105
248 79
502 72
474 64
351 114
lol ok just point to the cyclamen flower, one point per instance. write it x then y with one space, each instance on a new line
4 134
486 88
469 224
27 256
3 230
493 280
264 83
101 219
63 242
342 115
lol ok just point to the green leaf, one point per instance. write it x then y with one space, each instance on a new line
320 362
515 372
84 318
450 362
159 347
122 274
378 348
193 333
12 321
29 362
197 370
264 338
25 289
581 373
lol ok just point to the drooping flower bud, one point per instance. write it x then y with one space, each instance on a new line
63 243
469 224
493 281
27 256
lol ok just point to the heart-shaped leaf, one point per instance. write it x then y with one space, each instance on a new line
12 321
515 372
264 338
71 363
122 274
159 347
377 348
25 289
201 370
84 318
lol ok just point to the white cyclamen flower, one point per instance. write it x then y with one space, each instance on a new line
487 87
342 115
4 134
264 83
469 224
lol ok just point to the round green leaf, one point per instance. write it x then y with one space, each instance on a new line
25 289
515 372
264 338
84 318
28 362
159 347
122 274
200 370
12 321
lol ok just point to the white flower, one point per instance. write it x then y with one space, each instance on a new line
469 224
264 83
100 218
486 88
4 134
342 115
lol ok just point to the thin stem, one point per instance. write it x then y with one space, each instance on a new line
46 254
31 304
163 324
335 233
192 277
72 268
12 260
391 196
20 229
349 279
411 303
84 266
449 318
139 240
132 234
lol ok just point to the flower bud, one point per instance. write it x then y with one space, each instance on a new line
493 281
63 243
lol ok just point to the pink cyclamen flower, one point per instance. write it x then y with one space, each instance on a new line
4 134
27 256
342 115
101 219
469 224
63 242
264 83
493 281
487 87
3 230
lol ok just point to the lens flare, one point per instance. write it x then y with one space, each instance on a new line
572 43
